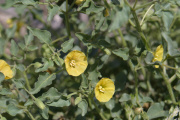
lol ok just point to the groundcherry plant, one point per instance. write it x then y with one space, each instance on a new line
89 60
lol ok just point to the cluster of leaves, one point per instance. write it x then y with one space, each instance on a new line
118 45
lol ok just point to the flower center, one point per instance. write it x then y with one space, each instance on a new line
72 63
101 89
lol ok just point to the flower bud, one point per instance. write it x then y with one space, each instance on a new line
78 2
40 104
107 51
138 110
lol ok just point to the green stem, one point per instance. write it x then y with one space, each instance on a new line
135 4
27 81
149 87
67 20
169 87
138 27
136 87
172 78
169 67
122 38
98 110
59 39
147 4
30 115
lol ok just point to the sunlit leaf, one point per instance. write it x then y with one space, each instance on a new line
156 111
43 35
83 105
67 45
43 81
14 48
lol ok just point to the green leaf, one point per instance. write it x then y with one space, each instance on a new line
67 45
177 88
3 105
93 76
29 102
172 50
22 45
45 66
84 38
122 52
83 105
21 67
44 113
43 35
156 111
43 81
27 2
60 103
18 83
1 77
84 81
93 8
120 18
52 12
28 39
14 48
110 104
116 111
77 100
149 58
85 5
10 31
125 97
5 91
51 95
167 19
2 41
2 118
13 110
32 48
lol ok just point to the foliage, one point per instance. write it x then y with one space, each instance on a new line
118 42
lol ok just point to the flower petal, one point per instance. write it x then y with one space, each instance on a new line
6 69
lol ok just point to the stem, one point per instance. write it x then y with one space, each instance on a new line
31 116
136 87
169 67
147 4
67 20
122 38
135 4
59 39
138 27
98 110
169 87
27 81
172 78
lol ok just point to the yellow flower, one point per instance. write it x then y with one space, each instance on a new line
76 63
5 69
104 89
158 55
78 2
